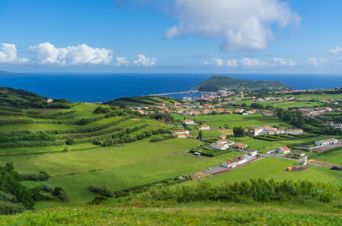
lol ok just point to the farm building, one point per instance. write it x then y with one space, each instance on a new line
204 127
222 145
182 133
265 130
249 156
283 150
189 122
326 142
295 131
240 146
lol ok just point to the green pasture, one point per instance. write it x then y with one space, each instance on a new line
234 120
117 167
332 156
273 168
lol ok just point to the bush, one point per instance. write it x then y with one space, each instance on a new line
41 176
101 191
61 194
69 141
84 121
10 208
101 110
258 190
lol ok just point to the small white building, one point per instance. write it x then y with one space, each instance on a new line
265 130
189 122
49 101
182 133
295 131
222 145
283 150
204 127
326 142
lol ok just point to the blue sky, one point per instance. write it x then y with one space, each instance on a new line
298 36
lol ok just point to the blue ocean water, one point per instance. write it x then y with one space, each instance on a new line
104 87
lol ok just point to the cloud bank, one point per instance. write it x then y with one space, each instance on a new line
47 53
250 62
242 24
8 53
145 61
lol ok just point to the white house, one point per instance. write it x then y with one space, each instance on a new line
182 133
49 101
249 156
283 150
265 130
295 131
204 127
326 142
189 122
222 145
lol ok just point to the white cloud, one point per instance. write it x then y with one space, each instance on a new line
47 53
318 62
219 62
215 62
336 51
8 53
251 62
242 24
283 62
121 61
232 63
145 61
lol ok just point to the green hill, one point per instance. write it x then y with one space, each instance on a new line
221 82
141 101
190 214
16 98
91 150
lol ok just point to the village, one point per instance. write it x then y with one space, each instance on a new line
246 105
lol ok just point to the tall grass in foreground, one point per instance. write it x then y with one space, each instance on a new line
259 190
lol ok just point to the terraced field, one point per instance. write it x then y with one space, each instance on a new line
234 120
71 145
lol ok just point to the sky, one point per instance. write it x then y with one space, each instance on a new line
209 36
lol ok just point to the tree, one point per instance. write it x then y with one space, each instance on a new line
69 141
200 135
239 132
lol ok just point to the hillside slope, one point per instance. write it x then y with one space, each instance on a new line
200 214
16 98
221 82
141 101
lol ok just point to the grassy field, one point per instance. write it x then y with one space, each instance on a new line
35 139
332 156
234 120
286 104
116 167
189 214
276 169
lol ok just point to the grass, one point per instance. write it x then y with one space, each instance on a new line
234 120
116 167
332 156
273 168
134 164
189 214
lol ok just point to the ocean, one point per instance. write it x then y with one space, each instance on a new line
104 87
